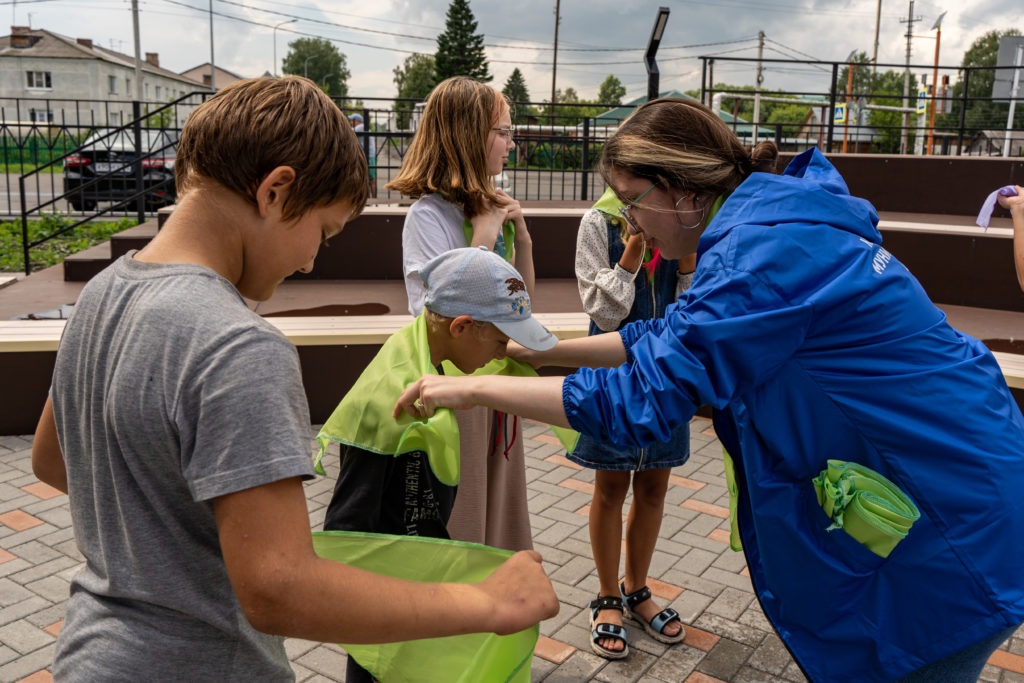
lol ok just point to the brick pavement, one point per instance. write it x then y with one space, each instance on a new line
693 570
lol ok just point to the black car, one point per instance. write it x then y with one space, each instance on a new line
103 169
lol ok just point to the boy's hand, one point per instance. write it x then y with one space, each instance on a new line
520 593
430 392
1012 203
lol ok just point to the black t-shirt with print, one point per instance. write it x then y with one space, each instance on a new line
389 494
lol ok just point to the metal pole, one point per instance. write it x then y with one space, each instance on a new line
832 107
277 26
140 202
653 75
138 58
554 63
849 91
757 84
906 79
586 160
1017 61
24 225
963 112
935 91
213 85
874 54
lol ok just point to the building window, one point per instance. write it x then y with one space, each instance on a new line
127 86
38 79
112 83
115 118
158 93
40 116
146 86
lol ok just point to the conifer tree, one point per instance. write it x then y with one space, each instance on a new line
460 49
515 87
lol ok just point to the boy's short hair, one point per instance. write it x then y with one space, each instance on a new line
253 126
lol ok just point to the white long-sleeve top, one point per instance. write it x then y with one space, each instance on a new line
606 291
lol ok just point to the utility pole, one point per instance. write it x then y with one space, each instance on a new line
909 21
554 61
213 87
138 49
757 84
937 27
874 54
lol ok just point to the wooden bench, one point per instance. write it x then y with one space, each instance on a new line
332 350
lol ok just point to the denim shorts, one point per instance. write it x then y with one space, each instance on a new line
597 455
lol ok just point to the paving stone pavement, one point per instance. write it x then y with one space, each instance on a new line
693 570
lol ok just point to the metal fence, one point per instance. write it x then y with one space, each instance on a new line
869 108
837 106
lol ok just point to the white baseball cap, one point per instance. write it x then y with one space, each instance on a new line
476 282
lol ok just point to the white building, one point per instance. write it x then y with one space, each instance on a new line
49 78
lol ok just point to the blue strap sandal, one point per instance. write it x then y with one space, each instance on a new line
599 630
656 626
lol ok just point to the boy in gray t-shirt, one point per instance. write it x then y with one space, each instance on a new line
177 423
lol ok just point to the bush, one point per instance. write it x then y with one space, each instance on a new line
54 250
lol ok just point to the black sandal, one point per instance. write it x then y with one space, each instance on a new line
655 626
602 630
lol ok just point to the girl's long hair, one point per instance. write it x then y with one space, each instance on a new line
448 154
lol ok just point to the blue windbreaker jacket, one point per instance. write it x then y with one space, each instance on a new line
812 342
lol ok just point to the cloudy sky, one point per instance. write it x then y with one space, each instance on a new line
377 35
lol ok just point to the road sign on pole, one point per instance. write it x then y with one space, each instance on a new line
840 113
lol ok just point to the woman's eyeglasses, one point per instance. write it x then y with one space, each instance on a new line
627 208
506 133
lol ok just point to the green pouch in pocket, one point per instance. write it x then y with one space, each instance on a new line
866 505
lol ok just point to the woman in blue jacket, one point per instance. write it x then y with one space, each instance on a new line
814 346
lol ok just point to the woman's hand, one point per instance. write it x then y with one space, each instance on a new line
1012 203
524 355
430 392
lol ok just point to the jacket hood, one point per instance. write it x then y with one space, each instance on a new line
810 190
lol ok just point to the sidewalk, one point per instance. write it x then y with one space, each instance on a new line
693 570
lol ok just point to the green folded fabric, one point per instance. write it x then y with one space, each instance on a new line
866 505
735 542
454 659
363 417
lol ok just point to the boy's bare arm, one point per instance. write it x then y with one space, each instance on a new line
47 458
286 589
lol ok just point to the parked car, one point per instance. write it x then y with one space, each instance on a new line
108 160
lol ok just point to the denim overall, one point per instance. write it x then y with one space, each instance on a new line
649 301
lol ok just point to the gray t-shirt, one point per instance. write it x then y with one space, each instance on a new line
168 392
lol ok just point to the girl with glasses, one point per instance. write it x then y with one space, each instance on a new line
877 451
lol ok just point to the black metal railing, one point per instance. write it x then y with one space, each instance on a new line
111 171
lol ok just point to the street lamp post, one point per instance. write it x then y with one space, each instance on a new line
937 27
652 49
305 66
287 21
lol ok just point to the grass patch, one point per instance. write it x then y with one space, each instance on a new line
53 251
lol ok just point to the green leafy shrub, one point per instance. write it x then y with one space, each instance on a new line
54 250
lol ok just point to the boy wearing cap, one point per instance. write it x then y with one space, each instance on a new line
399 476
475 302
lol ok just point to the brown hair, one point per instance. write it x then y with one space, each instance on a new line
253 126
448 153
683 145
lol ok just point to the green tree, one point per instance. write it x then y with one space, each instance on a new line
460 49
414 79
612 91
887 90
572 115
517 94
515 87
321 62
983 113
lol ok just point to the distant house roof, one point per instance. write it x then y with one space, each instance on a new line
43 43
613 117
222 76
